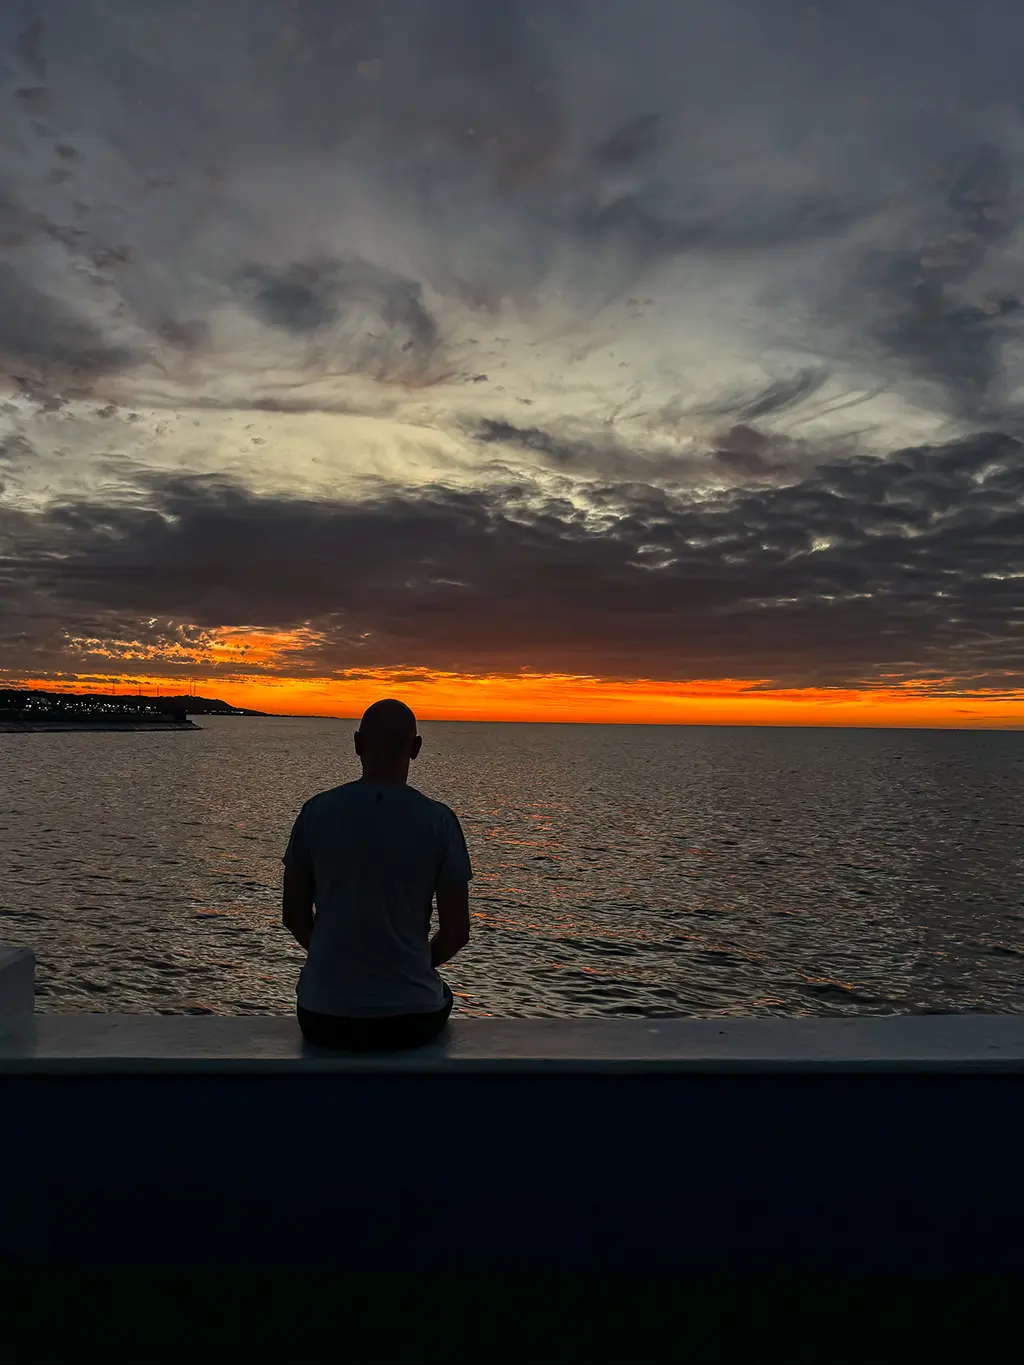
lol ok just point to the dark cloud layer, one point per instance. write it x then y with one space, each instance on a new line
912 566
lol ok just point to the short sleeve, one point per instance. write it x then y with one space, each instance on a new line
455 865
297 855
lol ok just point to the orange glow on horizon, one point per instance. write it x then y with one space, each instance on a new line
565 698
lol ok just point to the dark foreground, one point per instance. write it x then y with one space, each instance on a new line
294 1314
524 1190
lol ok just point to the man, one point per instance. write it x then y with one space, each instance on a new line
370 856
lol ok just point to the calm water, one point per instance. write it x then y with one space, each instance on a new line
620 869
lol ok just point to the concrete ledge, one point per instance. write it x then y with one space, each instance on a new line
161 1044
17 990
601 1147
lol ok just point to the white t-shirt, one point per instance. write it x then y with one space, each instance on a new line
377 852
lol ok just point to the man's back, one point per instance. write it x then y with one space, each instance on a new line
376 852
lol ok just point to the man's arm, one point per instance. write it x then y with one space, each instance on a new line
452 922
297 905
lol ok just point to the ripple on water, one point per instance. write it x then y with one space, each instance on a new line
692 871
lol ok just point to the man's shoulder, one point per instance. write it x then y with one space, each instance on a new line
443 813
352 793
332 796
437 809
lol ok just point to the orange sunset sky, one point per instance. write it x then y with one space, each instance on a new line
554 698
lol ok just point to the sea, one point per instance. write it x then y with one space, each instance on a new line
619 869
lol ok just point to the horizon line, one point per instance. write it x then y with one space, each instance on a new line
650 724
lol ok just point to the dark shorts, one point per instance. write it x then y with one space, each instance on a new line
391 1034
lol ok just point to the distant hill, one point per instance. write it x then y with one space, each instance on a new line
37 704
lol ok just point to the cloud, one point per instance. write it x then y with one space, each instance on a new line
737 454
447 172
38 335
294 299
630 142
938 319
372 316
911 566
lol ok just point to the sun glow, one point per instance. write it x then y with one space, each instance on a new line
567 698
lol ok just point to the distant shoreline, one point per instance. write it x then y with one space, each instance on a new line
33 708
43 727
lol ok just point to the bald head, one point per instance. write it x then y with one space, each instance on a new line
387 733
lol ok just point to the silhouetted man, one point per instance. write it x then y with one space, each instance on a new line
370 856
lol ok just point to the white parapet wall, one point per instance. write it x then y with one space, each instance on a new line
17 990
271 1045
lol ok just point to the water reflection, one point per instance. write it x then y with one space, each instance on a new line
620 870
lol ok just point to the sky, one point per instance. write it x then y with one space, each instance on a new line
586 360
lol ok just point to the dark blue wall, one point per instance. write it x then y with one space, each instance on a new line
889 1173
